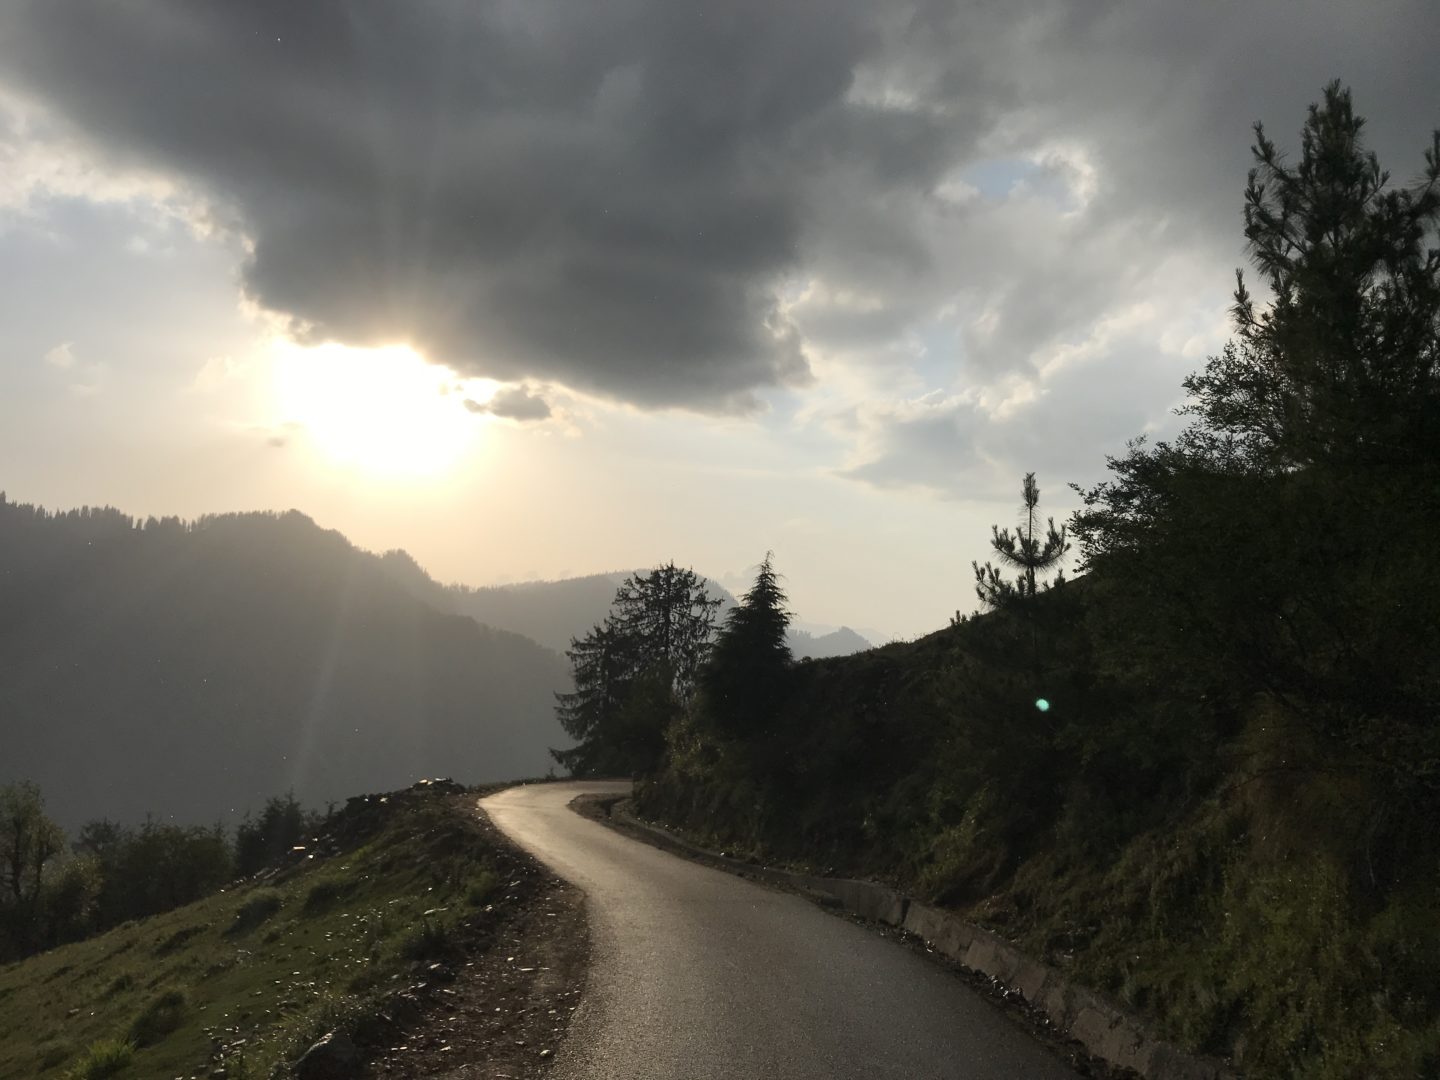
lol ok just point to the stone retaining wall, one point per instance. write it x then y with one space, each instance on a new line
1105 1030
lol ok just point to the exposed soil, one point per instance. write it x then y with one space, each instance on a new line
501 1006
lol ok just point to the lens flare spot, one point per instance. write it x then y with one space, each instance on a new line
1042 704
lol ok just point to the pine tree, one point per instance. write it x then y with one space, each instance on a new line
1025 550
1342 368
1279 546
634 672
669 618
602 667
746 678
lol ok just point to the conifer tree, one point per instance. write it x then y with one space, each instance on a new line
745 680
634 672
1342 367
1026 550
1279 546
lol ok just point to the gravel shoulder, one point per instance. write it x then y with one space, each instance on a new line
502 1011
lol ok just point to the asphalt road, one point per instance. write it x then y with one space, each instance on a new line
700 974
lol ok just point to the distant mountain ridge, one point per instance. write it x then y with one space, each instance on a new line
554 612
194 669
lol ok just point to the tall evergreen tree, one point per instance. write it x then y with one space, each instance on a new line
745 680
634 672
1342 366
669 619
1279 546
602 668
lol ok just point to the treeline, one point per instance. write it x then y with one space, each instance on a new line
54 891
656 671
181 668
1203 776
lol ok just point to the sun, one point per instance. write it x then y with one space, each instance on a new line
386 411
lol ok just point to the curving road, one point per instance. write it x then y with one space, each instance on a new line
698 974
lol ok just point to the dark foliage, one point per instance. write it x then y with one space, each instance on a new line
1203 776
1025 550
747 676
635 672
264 840
1278 547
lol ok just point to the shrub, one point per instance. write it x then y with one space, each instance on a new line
159 1018
254 911
481 887
324 894
104 1058
426 939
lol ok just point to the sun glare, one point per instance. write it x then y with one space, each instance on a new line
383 410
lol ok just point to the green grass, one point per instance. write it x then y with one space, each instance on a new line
164 1014
257 908
276 966
107 1057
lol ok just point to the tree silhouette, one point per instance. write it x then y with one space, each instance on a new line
745 679
634 672
1342 366
1026 550
28 840
1280 545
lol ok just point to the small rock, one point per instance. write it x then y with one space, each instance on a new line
335 1057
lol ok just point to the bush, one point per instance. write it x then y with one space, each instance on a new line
426 939
324 894
104 1058
159 1018
261 906
481 887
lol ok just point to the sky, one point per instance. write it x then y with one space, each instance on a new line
535 289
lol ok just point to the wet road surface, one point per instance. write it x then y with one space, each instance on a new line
698 974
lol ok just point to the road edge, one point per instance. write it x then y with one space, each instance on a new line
1053 1005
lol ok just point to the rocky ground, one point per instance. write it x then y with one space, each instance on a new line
501 1006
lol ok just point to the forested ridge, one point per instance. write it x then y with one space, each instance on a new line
1203 775
191 670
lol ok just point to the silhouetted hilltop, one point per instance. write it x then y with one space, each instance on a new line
840 642
553 612
192 669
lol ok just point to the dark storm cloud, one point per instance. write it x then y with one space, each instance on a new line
630 198
602 195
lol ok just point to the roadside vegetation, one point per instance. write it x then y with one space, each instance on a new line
54 891
247 978
1203 775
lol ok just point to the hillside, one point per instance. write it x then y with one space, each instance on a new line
841 642
554 612
393 934
1253 887
190 670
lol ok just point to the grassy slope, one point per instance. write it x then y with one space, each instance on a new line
1233 905
263 969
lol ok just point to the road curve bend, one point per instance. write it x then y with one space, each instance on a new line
698 974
